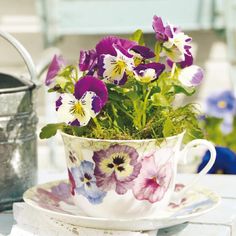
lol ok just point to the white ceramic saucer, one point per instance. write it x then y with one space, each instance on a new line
54 200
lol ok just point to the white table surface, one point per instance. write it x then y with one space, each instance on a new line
219 222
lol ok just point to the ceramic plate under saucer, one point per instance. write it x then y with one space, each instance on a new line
54 200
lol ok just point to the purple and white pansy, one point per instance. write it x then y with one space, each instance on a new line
87 101
175 44
147 73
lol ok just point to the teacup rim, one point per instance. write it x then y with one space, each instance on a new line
122 140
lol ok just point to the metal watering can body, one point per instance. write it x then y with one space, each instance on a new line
18 139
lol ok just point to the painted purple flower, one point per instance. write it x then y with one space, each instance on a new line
191 76
222 105
147 73
115 62
175 44
88 61
72 182
116 168
89 98
54 69
155 176
85 182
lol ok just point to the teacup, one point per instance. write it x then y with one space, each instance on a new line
127 178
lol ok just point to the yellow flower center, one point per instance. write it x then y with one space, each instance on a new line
78 109
222 104
118 68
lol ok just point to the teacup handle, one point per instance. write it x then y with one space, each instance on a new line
177 196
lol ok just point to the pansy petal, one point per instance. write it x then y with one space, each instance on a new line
106 45
64 110
145 52
87 60
149 72
54 68
92 103
90 83
191 76
58 103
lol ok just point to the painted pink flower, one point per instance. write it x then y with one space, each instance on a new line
155 176
116 168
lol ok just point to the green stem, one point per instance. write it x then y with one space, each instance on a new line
145 108
173 70
97 123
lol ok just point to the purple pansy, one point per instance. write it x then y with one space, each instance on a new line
222 105
91 83
175 44
191 76
88 61
115 62
54 69
106 45
116 168
89 98
146 73
85 182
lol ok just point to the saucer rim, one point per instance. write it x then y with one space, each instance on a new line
217 200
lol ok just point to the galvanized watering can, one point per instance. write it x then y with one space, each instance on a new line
18 140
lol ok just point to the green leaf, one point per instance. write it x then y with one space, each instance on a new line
50 130
184 90
138 37
159 100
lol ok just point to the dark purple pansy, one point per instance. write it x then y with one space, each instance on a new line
54 68
149 72
163 33
87 60
106 45
91 83
143 51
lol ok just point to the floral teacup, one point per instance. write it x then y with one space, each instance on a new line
126 178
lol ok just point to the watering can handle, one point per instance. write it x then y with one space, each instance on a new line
24 54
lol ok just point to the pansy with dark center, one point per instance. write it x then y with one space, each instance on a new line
116 167
85 182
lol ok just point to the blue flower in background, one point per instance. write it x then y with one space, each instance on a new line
85 182
225 161
222 105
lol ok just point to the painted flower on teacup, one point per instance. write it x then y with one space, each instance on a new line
121 168
116 168
155 176
85 182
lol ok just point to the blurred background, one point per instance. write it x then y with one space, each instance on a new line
72 25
